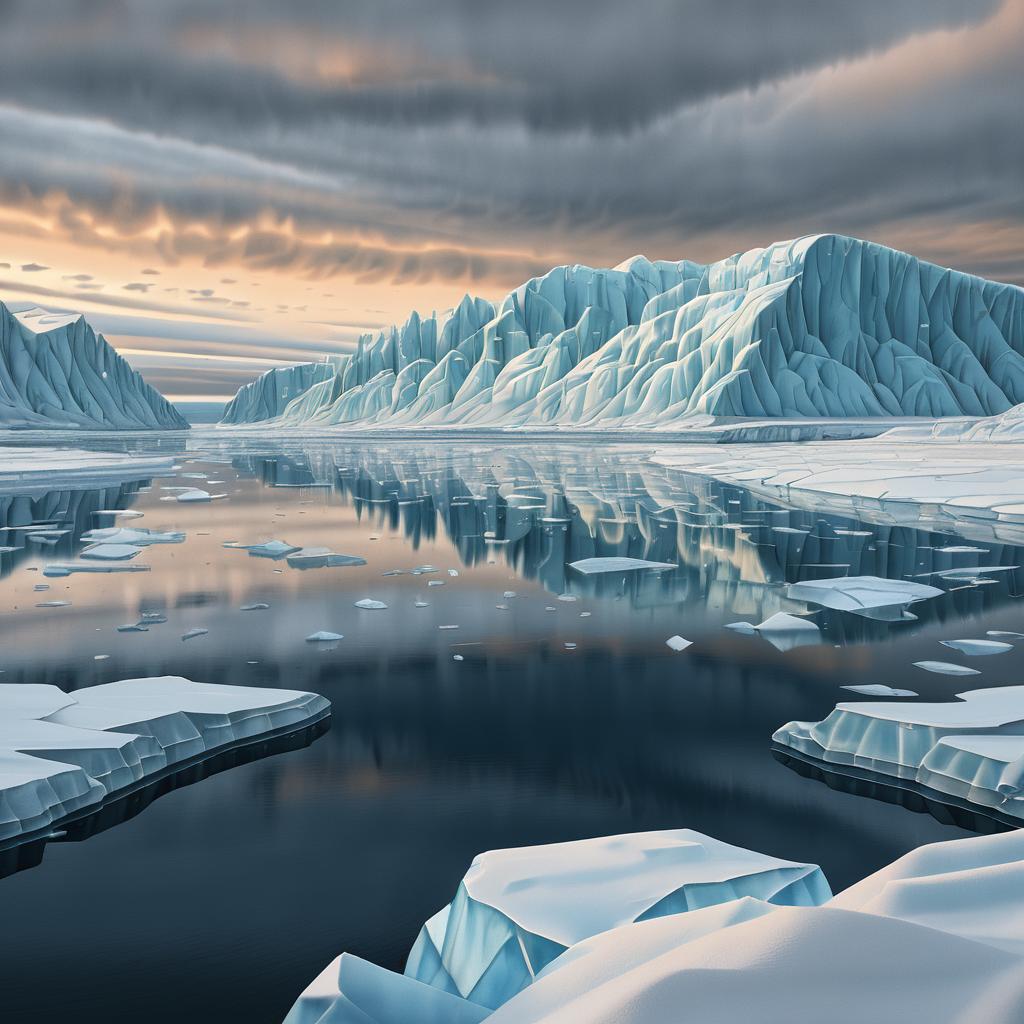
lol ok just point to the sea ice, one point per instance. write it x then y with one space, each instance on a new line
517 910
870 596
977 648
130 535
192 633
256 606
677 643
112 552
946 668
324 636
880 690
594 566
322 558
274 549
369 604
58 569
101 739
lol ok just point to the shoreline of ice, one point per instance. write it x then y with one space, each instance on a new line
50 468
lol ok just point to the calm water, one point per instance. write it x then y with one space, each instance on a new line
220 900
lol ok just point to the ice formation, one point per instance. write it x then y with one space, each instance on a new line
25 468
594 566
880 690
56 372
977 648
870 596
938 935
517 910
822 326
946 668
61 753
972 749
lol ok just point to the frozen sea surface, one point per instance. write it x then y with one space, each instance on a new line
538 720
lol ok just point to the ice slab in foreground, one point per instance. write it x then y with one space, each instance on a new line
99 740
869 596
972 749
936 936
517 910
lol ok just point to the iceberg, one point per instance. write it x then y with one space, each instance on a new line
937 935
517 910
57 373
823 326
64 753
972 749
870 596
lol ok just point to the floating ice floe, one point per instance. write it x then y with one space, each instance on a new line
256 606
322 558
104 739
677 643
946 668
745 628
977 648
421 604
275 549
595 566
129 535
191 634
1009 634
133 627
972 748
122 513
369 604
112 552
53 604
324 636
517 910
58 569
784 631
880 690
192 495
869 596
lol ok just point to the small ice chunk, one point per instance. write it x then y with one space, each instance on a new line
1008 633
567 597
435 583
256 606
197 631
136 537
153 618
368 604
946 668
66 569
322 558
746 628
457 657
323 636
585 615
112 552
594 566
453 572
678 643
977 648
133 627
880 690
274 549
447 627
422 604
509 594
100 657
53 604
502 607
194 494
569 646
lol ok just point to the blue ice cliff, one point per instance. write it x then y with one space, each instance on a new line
57 372
823 326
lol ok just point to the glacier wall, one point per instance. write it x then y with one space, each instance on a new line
821 326
57 372
270 394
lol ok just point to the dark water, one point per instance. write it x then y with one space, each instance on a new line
220 900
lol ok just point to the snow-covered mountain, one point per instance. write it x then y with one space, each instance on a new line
825 325
57 372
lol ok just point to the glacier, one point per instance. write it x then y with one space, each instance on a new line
56 372
971 749
821 326
517 910
63 753
937 935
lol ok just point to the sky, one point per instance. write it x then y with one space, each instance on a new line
222 187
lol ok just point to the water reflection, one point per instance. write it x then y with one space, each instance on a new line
252 881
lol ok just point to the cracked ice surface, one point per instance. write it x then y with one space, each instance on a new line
517 910
101 739
977 488
972 749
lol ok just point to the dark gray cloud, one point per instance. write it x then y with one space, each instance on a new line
484 140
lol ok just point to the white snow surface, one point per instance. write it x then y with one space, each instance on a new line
57 373
102 739
820 326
